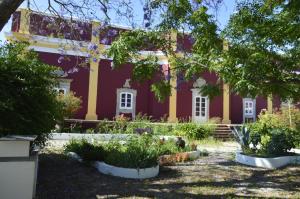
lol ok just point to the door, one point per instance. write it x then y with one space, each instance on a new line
200 109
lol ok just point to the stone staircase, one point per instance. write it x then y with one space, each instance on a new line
223 132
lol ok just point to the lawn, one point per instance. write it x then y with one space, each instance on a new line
215 176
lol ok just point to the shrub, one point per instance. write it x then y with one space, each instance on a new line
86 150
137 152
28 103
105 126
70 104
193 131
270 136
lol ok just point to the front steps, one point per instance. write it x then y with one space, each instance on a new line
223 132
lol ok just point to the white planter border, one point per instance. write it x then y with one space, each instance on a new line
269 163
101 137
104 168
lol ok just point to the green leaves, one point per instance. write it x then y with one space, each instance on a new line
263 42
28 103
145 69
161 89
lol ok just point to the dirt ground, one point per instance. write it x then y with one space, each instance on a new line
215 176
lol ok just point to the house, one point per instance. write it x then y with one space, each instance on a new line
107 93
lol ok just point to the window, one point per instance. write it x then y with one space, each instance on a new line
200 107
60 90
249 108
126 100
63 87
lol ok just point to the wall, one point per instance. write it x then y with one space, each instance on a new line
108 82
236 107
184 99
80 79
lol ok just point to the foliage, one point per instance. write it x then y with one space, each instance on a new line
189 130
86 150
262 58
70 127
137 152
264 50
270 136
28 103
194 131
71 104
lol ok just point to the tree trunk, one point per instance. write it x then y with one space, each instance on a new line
7 8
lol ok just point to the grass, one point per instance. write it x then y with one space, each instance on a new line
215 176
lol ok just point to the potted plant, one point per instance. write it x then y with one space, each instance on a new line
268 142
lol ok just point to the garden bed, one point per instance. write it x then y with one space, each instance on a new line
269 163
102 167
138 157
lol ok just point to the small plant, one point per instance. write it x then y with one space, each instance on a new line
86 150
269 136
193 131
71 104
137 152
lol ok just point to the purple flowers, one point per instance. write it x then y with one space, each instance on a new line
112 32
60 59
73 70
92 46
104 41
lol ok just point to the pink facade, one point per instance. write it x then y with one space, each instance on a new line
79 80
110 80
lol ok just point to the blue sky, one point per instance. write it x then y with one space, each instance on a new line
223 15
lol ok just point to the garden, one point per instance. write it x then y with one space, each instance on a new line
257 54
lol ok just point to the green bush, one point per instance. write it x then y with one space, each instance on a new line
86 150
194 131
189 130
169 147
137 152
270 136
28 103
104 126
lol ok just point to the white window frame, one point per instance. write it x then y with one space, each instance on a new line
126 98
247 108
247 116
57 89
64 84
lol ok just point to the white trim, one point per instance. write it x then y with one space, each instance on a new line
269 163
132 173
57 51
77 44
126 98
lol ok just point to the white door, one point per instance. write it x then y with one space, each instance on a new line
200 109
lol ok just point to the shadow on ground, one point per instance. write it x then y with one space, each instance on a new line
62 178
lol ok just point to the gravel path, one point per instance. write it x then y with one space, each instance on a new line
214 176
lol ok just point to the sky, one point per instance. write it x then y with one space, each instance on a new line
223 15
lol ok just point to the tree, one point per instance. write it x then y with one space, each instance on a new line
264 53
263 37
28 103
7 7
